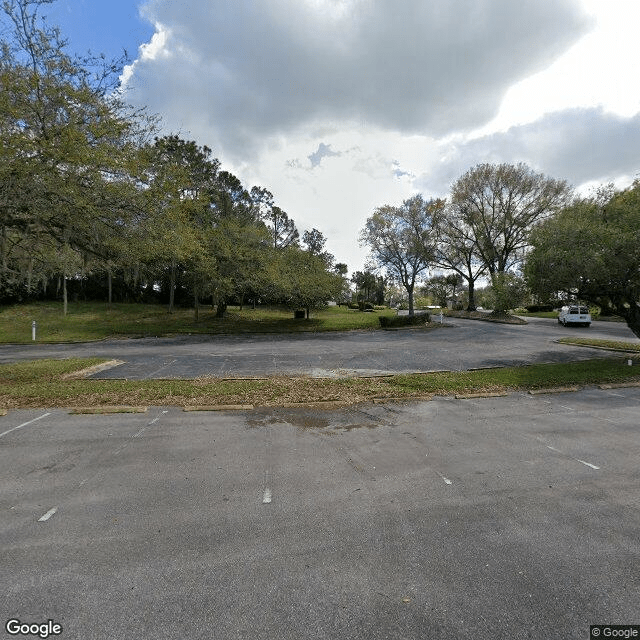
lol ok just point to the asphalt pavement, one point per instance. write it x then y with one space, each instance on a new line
459 345
513 517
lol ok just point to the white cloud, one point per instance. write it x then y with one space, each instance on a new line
340 106
242 71
579 145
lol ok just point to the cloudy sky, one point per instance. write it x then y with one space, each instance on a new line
341 106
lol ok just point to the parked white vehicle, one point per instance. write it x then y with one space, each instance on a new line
574 314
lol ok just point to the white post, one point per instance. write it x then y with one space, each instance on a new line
630 362
440 316
33 330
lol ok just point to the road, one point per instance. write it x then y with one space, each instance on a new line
512 517
463 345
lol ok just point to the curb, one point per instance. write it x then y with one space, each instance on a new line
632 352
619 385
405 399
490 394
107 410
536 392
96 368
219 407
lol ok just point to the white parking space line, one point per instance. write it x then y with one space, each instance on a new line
593 466
126 443
588 464
157 371
141 431
24 424
47 515
266 497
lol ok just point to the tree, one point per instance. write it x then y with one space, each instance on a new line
181 184
65 149
304 280
456 249
369 287
498 206
314 242
283 229
590 251
443 287
402 240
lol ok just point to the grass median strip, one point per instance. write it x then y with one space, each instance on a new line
41 384
611 345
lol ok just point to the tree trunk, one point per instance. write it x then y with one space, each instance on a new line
64 294
632 316
410 292
196 301
472 296
172 285
307 313
110 286
29 275
220 310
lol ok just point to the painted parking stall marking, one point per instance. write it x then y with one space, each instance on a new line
24 424
47 515
588 464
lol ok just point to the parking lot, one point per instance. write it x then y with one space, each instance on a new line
513 517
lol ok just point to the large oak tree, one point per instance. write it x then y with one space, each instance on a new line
590 251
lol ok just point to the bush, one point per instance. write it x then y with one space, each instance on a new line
536 308
354 305
404 321
379 307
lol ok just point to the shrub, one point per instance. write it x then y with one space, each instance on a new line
404 321
536 308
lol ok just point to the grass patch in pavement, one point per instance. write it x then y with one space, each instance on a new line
616 345
88 321
39 384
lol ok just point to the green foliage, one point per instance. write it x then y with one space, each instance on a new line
591 251
302 280
388 322
507 291
402 240
443 287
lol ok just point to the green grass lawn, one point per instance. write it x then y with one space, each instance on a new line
41 384
86 321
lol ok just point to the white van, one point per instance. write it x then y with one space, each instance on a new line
574 314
